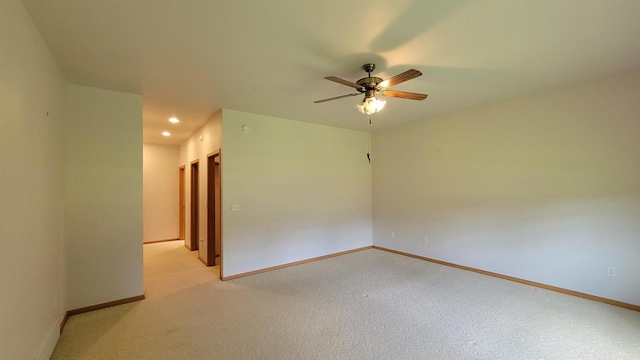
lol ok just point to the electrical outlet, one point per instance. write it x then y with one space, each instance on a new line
393 234
235 207
611 271
268 248
426 240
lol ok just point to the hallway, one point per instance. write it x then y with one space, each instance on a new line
169 268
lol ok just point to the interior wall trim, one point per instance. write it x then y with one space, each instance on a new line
64 321
98 307
260 271
159 241
518 280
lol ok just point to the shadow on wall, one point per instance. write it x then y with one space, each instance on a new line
567 244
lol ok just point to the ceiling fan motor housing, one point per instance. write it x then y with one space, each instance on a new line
369 84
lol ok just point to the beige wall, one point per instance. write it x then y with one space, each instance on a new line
32 113
103 208
160 192
304 190
204 141
544 188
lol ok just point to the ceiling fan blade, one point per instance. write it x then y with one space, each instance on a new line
404 95
336 98
400 78
345 82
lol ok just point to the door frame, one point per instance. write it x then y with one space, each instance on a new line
214 208
181 202
194 222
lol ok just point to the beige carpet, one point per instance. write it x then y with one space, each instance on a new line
366 305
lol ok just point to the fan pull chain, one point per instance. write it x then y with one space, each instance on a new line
369 119
369 148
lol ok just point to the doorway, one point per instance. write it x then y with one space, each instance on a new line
181 203
192 244
214 210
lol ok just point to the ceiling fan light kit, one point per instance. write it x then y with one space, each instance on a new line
370 105
369 86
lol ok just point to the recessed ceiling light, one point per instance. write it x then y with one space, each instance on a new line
166 133
174 120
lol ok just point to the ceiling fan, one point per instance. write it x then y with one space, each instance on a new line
369 86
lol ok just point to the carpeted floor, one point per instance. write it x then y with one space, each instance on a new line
366 305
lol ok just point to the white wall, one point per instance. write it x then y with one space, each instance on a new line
304 190
160 192
31 189
195 149
544 188
103 218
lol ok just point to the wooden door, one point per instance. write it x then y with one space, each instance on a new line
195 213
181 203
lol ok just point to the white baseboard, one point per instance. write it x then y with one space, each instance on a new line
49 343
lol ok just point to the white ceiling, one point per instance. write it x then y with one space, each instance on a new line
192 58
